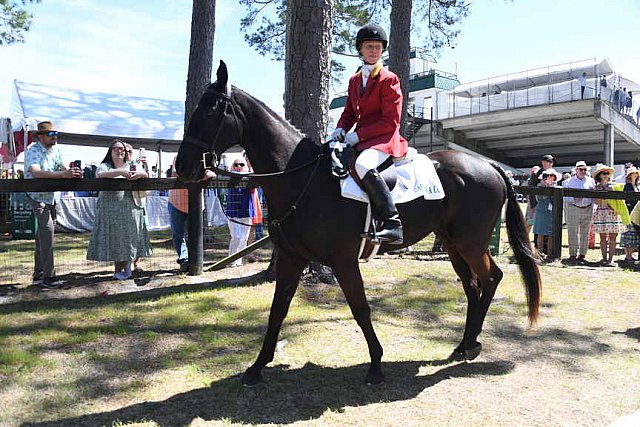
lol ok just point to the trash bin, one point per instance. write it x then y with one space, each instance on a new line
23 221
494 243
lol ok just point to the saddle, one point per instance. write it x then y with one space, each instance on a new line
408 178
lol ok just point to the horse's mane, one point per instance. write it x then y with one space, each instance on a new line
270 112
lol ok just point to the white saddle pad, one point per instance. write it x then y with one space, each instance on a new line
417 177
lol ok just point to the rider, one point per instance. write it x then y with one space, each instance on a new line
374 105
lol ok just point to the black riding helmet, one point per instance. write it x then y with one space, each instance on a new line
371 32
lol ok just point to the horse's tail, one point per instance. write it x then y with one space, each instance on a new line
521 246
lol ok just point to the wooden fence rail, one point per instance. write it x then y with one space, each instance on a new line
195 220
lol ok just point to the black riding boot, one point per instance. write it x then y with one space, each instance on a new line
383 208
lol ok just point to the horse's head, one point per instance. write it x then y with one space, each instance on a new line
213 128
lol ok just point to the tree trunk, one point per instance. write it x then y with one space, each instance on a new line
307 65
203 27
399 51
307 71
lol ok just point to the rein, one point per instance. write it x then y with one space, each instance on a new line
213 163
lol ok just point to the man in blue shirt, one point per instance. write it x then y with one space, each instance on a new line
43 159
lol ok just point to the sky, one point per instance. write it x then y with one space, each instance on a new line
141 48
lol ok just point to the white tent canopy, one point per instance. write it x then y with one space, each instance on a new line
94 118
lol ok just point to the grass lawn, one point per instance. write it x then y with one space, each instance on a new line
169 351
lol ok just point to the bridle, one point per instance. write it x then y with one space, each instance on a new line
213 164
211 160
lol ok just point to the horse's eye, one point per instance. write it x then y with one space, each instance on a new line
210 109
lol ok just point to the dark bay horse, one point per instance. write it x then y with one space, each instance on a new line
311 221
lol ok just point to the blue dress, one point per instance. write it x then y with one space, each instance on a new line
543 223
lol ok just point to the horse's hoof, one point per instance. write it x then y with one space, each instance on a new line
250 379
472 353
374 378
457 356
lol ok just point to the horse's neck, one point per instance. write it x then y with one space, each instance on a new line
276 145
271 142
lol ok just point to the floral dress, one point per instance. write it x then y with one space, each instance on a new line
119 230
605 219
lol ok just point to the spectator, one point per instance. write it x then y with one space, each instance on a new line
638 117
238 215
546 162
623 176
543 225
530 213
606 221
582 81
139 196
616 99
579 214
43 159
178 207
630 239
119 231
603 81
629 103
622 100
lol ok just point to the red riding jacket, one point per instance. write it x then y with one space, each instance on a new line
376 112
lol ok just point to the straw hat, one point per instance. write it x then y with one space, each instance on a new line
44 127
602 168
545 173
631 170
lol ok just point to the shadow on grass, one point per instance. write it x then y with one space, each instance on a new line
56 300
631 333
287 395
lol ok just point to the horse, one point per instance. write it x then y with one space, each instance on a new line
311 221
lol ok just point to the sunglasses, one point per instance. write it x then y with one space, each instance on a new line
50 133
119 149
604 173
582 169
238 164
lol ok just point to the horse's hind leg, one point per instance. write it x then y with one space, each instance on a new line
471 290
480 284
288 275
350 279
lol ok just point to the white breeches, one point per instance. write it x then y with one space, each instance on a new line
369 159
239 234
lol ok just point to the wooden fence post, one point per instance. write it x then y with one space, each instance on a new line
195 243
558 207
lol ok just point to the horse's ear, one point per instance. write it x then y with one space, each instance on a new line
223 76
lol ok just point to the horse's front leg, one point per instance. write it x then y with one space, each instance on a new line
288 272
348 274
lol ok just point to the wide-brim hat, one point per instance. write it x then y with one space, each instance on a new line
602 168
631 170
550 171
